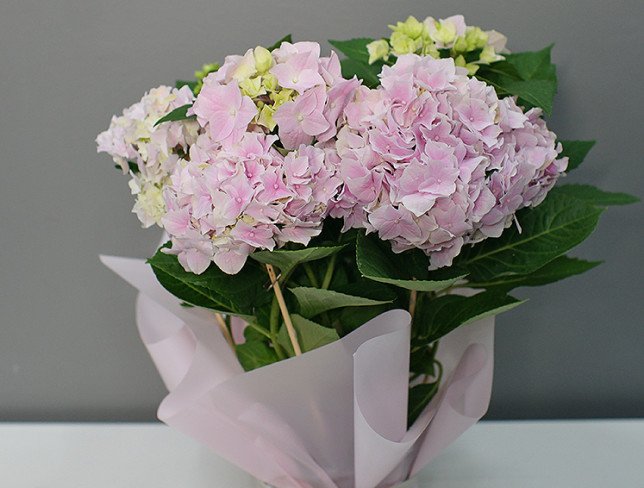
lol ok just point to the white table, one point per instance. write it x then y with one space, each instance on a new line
560 454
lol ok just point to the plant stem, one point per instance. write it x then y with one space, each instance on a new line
275 323
328 275
311 275
292 335
224 330
413 298
259 329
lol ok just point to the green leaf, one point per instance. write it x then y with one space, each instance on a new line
547 232
419 398
180 113
576 151
557 269
595 196
529 75
238 294
422 360
255 354
355 49
376 261
351 318
438 317
367 73
537 93
310 335
531 65
190 84
286 38
287 260
314 301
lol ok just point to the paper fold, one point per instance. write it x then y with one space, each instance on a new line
334 417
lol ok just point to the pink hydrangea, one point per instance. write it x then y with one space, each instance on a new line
229 200
295 88
241 187
433 159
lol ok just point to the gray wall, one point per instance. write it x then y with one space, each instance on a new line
68 345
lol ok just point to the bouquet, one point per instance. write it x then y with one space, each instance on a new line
340 234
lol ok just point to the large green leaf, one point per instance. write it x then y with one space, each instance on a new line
238 294
287 260
595 196
310 335
438 317
355 49
576 151
313 301
531 65
557 269
350 318
538 93
365 72
529 75
180 113
376 261
255 354
547 231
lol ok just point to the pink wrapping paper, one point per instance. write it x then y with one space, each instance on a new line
334 417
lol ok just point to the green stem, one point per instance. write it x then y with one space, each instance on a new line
328 275
259 329
274 324
311 275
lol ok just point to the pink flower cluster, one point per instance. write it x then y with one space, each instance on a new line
433 159
237 192
228 201
303 93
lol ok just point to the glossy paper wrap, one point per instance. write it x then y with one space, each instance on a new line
334 417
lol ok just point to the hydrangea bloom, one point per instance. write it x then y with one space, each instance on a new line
147 152
291 88
229 200
468 45
433 159
241 187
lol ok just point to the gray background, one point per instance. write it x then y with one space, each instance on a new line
68 344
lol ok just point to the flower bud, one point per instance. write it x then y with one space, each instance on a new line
411 27
269 81
378 50
265 117
403 44
475 38
252 87
445 32
205 70
263 59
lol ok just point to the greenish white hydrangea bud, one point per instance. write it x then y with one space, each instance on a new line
252 87
263 59
411 27
403 44
445 32
269 81
475 38
378 50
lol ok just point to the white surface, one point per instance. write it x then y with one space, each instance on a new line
560 454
